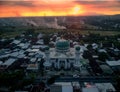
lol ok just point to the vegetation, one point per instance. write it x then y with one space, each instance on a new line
103 56
15 80
52 79
11 78
8 32
46 39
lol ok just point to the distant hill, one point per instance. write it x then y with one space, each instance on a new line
49 22
79 22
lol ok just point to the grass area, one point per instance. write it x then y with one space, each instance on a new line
47 31
11 34
18 31
84 32
102 33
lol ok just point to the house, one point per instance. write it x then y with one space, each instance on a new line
115 65
90 89
32 67
16 42
98 87
105 87
61 87
10 63
106 69
40 42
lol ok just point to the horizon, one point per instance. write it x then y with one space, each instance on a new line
40 8
58 16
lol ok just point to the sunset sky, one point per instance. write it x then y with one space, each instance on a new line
18 8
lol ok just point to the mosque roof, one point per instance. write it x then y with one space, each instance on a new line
62 44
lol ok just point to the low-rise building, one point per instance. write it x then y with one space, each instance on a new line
61 87
32 67
115 65
10 63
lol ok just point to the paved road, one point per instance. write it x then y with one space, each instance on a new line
85 79
95 79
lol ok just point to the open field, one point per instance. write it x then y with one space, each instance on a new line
84 32
10 34
102 33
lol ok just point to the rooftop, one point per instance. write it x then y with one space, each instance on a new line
62 44
62 87
113 63
9 61
32 67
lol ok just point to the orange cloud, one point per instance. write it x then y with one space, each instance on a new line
58 8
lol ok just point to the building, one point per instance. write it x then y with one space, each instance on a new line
62 56
98 87
61 87
10 63
115 65
32 67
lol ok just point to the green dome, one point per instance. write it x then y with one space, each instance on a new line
62 45
77 48
47 48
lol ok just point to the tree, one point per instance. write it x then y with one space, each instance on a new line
117 80
41 67
10 78
117 44
46 39
89 47
52 79
87 55
30 31
102 56
42 85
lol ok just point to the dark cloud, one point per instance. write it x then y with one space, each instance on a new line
89 2
101 4
17 3
24 3
97 2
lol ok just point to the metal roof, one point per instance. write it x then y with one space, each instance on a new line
9 62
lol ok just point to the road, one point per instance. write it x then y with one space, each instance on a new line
85 79
94 79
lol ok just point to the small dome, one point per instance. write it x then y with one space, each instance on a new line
77 48
62 45
47 48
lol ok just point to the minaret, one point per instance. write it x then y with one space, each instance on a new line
77 63
47 63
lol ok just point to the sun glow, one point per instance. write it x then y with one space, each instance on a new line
76 10
17 8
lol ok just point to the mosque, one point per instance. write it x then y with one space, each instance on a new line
62 56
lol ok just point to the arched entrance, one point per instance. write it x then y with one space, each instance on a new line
62 64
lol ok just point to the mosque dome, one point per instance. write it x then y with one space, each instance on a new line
62 45
47 48
77 48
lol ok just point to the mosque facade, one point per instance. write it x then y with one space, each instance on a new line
63 56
